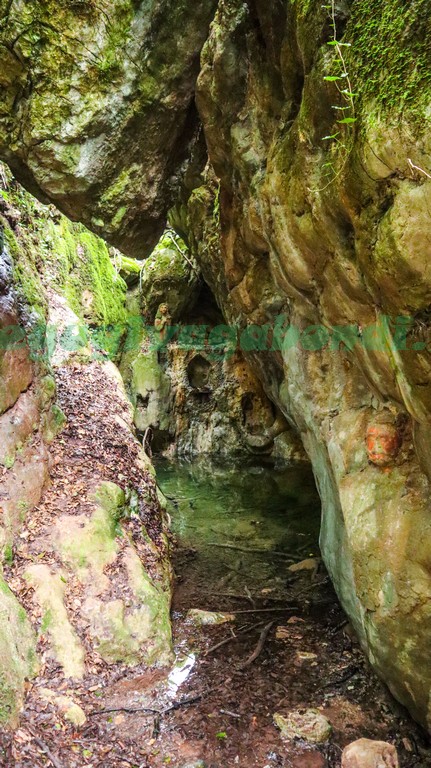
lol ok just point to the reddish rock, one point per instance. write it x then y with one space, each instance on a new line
369 754
383 444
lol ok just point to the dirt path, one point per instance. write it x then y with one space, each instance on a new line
96 446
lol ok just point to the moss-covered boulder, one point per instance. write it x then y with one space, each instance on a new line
104 129
169 277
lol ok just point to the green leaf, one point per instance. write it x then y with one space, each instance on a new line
347 120
332 136
222 735
332 78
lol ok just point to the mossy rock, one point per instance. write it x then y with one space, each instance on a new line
17 654
169 276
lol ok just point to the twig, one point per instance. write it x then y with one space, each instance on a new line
125 759
56 763
231 714
263 598
129 710
252 551
250 597
185 702
310 588
231 595
145 710
417 168
351 671
265 610
144 441
156 727
184 255
234 637
259 647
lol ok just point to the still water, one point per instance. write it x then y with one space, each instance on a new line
245 521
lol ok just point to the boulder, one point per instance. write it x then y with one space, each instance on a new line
108 127
366 753
208 618
309 725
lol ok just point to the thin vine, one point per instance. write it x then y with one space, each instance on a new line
347 109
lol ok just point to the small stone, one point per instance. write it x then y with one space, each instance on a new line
208 618
75 715
305 656
311 564
282 633
309 725
197 764
67 707
366 753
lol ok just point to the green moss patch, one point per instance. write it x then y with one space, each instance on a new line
390 54
17 654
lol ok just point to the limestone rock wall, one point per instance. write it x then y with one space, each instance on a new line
335 233
190 395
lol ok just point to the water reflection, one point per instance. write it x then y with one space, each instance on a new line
247 521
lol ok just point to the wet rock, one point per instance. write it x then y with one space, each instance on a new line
309 725
208 618
366 753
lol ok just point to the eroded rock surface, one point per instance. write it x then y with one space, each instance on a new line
330 237
79 80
